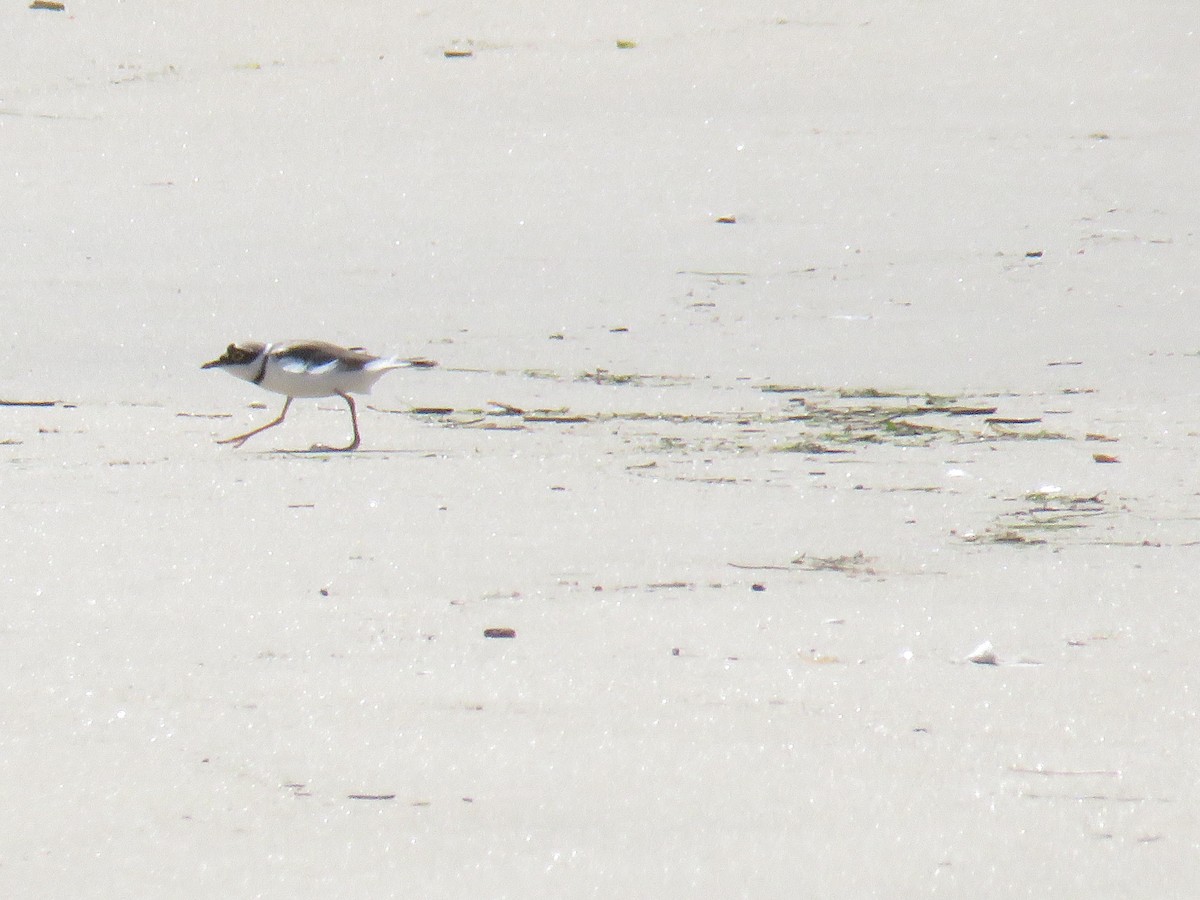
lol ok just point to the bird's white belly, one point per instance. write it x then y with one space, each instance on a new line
318 384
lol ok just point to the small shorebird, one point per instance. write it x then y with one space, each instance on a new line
307 369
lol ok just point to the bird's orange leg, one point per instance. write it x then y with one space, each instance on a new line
239 439
321 448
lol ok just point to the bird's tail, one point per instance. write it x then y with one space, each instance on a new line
387 363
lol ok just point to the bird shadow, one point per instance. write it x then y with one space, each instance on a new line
348 454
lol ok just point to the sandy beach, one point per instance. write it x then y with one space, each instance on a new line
816 405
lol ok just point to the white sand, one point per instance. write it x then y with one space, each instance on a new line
207 651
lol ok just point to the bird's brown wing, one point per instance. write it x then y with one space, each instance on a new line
321 353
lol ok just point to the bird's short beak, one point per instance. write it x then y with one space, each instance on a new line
210 365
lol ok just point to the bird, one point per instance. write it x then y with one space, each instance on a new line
307 369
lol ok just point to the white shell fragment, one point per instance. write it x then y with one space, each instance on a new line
983 655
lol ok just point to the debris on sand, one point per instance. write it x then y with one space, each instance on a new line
983 655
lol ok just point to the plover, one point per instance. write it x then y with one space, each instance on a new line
307 369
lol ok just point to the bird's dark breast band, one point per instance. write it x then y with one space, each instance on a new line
262 370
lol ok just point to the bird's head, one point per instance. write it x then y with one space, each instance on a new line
239 359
